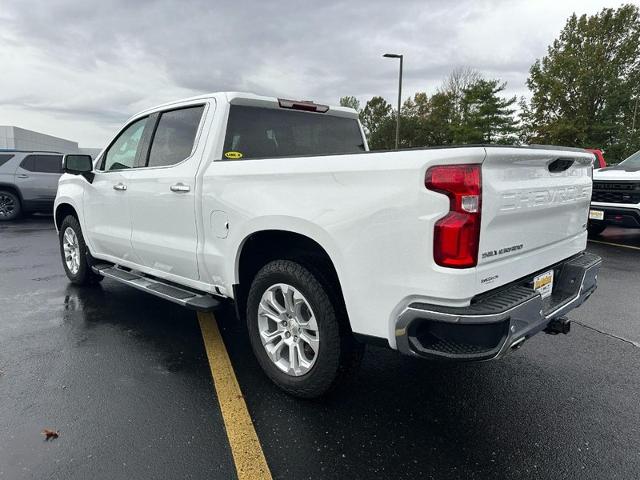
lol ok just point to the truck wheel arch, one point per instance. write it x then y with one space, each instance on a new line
62 210
12 189
261 247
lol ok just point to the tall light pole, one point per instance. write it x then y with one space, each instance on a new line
395 55
635 113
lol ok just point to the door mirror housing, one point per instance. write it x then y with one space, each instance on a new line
78 164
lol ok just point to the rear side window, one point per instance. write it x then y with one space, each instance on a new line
4 158
122 153
42 163
174 136
255 132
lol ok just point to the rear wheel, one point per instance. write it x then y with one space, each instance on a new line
10 207
595 229
75 254
296 330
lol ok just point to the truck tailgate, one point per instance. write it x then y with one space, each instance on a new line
534 201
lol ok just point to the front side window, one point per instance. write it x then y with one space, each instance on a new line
174 136
257 132
122 152
42 163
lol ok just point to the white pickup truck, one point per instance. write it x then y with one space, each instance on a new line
444 253
616 196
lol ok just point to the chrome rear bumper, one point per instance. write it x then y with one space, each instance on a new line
498 320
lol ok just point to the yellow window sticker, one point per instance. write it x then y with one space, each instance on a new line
233 155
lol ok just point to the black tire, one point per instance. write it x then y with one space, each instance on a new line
84 274
338 352
595 229
10 206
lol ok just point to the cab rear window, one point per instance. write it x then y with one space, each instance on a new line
256 132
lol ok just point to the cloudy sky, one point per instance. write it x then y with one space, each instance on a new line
78 69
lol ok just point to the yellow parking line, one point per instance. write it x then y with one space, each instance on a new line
615 244
245 447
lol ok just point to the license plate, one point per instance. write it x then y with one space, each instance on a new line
596 215
543 283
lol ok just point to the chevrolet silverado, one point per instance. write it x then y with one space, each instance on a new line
458 253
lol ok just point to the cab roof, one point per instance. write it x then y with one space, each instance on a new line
251 99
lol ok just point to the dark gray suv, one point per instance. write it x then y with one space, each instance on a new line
28 182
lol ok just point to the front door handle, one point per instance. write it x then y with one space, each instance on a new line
120 187
22 175
180 187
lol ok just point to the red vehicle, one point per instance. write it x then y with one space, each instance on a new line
600 162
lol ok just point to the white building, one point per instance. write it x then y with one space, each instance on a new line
16 138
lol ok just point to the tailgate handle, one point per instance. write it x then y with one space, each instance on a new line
560 165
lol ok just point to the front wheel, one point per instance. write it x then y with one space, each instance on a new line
75 254
296 332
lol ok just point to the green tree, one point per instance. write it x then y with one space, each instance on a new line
440 124
486 116
466 109
427 121
455 85
414 111
585 89
351 102
378 121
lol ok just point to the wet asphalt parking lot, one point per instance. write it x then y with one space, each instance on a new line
125 379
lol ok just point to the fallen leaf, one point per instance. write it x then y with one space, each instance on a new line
50 434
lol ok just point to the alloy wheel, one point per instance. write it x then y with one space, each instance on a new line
7 205
71 249
288 329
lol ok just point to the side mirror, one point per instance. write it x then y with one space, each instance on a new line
76 164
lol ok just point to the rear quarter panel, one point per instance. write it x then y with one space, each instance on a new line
370 212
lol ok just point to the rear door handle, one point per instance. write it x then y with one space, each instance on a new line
180 187
120 187
22 175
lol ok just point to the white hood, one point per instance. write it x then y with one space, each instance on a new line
615 174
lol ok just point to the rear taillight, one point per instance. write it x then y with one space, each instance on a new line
457 235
